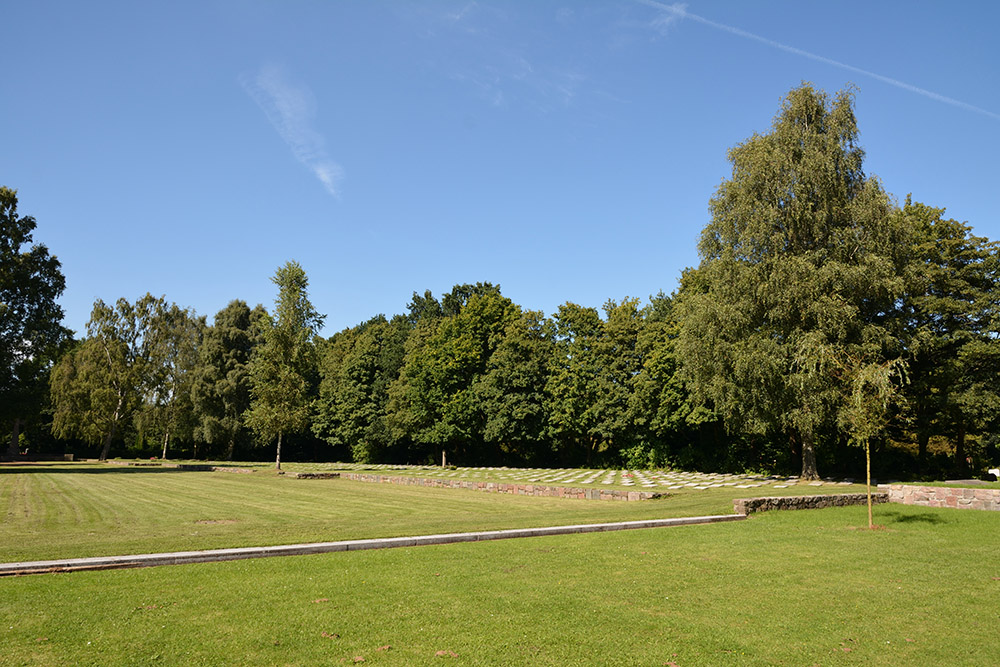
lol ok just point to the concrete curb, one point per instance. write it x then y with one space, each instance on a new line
216 555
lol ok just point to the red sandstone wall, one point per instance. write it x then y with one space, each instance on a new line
940 496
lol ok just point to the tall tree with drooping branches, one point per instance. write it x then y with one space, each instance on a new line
802 260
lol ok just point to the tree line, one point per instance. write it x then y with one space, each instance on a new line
823 321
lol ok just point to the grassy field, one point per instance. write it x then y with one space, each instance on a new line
75 510
784 588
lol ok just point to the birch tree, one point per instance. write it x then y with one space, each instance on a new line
801 250
283 367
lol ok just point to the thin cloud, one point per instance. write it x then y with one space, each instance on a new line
678 11
290 109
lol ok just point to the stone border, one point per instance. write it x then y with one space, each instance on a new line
216 555
943 496
751 505
538 490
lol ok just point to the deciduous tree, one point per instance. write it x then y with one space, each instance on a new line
801 252
573 387
283 367
31 331
949 321
357 368
512 391
168 408
111 375
221 390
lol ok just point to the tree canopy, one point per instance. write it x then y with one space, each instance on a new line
801 264
31 331
282 367
823 319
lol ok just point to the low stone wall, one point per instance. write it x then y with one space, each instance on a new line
751 505
942 496
315 475
513 489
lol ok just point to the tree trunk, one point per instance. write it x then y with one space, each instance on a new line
107 444
809 471
111 431
923 438
961 465
277 459
15 441
166 438
868 481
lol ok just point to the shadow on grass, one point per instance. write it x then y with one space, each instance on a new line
917 517
35 468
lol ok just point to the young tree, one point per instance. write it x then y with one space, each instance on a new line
283 367
801 252
873 387
31 333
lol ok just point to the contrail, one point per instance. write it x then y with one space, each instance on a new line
678 11
290 108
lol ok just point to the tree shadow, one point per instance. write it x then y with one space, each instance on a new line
36 468
918 517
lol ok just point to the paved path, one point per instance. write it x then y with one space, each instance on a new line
214 555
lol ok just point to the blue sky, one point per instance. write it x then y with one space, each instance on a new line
565 150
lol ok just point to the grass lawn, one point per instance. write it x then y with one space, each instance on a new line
782 588
75 510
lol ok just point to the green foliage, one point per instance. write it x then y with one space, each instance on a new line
512 391
82 399
98 388
813 291
221 388
31 331
435 396
168 409
573 387
800 262
357 368
283 367
949 320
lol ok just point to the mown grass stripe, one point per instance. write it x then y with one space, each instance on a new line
219 555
